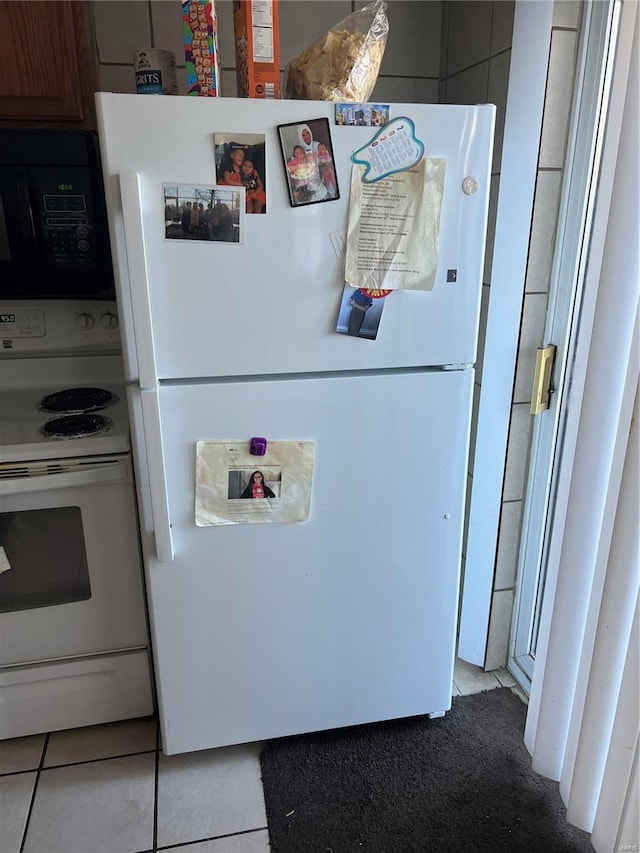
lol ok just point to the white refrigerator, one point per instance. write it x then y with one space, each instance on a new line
262 630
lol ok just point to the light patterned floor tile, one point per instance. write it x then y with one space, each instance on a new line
248 842
505 678
209 793
106 741
21 753
520 694
100 807
15 798
471 679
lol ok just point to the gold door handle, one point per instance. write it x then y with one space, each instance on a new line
542 388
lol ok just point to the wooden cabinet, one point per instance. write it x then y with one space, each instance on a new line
47 65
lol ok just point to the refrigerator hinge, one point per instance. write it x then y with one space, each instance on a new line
464 366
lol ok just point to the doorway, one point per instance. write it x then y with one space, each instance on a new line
568 309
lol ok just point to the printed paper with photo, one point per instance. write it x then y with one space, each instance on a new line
233 486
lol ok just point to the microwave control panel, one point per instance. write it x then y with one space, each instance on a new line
54 237
67 220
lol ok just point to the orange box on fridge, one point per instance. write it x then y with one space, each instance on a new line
257 48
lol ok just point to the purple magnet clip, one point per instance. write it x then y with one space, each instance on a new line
258 446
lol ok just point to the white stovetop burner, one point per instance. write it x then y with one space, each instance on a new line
28 377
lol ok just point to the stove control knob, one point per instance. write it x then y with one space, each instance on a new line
85 321
109 320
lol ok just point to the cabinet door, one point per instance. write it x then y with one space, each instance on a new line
46 66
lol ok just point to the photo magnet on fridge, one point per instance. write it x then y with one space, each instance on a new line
207 214
241 162
308 161
360 312
362 115
394 148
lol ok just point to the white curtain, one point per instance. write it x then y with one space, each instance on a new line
583 722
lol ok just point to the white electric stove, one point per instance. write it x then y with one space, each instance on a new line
55 407
61 381
72 615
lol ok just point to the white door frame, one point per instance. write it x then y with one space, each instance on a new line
569 315
518 170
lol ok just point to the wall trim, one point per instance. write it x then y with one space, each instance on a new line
523 122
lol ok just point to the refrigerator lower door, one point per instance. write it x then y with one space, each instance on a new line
263 630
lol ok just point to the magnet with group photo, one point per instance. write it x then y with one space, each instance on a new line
210 214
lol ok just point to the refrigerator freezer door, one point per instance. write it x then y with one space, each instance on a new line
265 630
270 305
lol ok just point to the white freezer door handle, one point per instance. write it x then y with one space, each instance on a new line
132 213
157 477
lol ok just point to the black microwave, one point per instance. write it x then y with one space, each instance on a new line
54 242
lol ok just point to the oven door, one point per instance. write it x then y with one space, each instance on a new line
70 572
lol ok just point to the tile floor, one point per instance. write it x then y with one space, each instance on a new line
110 789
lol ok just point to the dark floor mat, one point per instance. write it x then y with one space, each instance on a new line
459 783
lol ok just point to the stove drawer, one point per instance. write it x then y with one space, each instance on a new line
72 693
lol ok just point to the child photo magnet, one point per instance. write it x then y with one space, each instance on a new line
240 162
308 162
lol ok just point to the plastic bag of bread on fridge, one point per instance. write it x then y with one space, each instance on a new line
344 64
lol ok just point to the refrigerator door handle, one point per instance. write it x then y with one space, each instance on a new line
138 277
157 476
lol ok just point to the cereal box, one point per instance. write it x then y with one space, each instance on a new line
257 49
201 47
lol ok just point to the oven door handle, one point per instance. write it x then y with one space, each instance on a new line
118 473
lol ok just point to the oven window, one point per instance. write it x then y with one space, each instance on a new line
48 562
